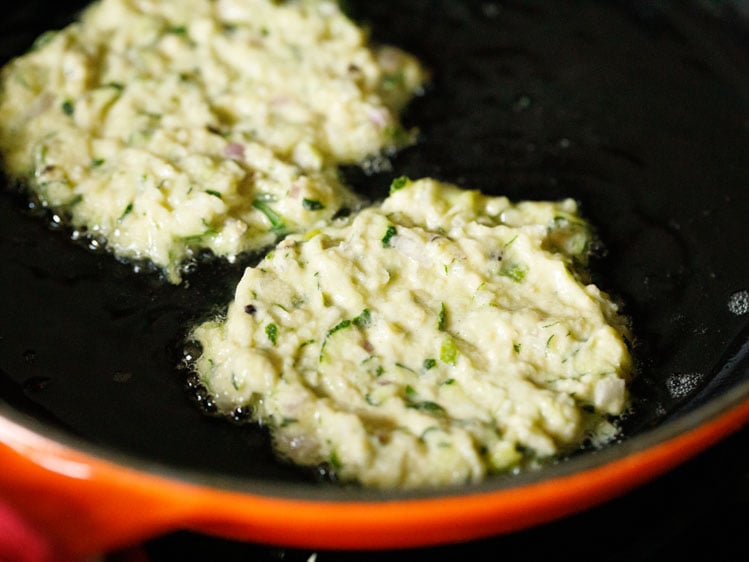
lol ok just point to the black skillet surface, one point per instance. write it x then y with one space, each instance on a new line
640 110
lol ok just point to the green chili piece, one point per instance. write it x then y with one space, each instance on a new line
429 364
449 352
271 330
389 233
127 211
442 319
514 271
399 183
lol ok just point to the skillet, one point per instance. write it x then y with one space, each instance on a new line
640 110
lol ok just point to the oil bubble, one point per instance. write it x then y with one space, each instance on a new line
242 414
681 385
191 351
377 164
738 303
56 221
324 472
97 243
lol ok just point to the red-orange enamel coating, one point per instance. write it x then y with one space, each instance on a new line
88 506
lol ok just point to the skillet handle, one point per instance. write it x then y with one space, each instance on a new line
74 508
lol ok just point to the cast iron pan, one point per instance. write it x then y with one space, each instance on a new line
640 110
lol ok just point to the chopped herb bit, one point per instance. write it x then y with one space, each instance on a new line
398 135
209 227
405 367
312 205
426 405
276 222
449 352
363 320
75 200
399 183
548 342
379 370
393 81
389 233
442 319
214 193
250 309
96 162
516 347
67 107
429 364
513 271
571 237
342 325
507 245
40 156
114 86
198 238
335 460
177 30
43 39
127 211
428 430
288 421
271 330
311 234
306 343
448 382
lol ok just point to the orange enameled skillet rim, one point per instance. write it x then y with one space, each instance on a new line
90 500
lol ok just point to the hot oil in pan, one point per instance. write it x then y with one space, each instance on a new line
641 115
